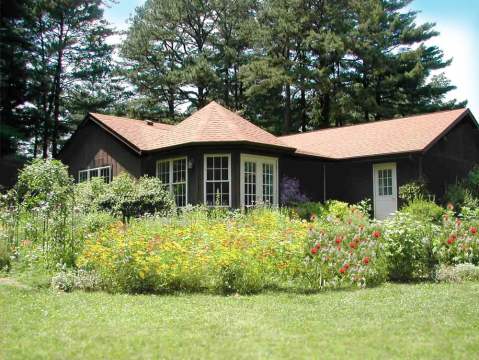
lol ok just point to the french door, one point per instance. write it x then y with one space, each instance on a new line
259 180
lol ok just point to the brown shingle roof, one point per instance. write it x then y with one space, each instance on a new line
216 124
404 135
211 124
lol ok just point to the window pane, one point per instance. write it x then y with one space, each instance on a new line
268 188
83 176
93 173
249 183
217 181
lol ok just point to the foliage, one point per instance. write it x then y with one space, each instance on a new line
424 210
457 273
291 192
45 184
345 252
127 197
286 65
409 247
459 241
415 190
308 210
231 253
69 280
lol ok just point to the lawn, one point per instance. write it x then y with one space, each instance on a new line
392 321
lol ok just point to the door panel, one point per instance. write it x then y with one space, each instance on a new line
385 189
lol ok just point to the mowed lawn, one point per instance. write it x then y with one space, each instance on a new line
391 321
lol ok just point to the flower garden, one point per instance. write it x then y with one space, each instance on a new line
117 237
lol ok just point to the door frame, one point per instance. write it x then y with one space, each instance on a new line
378 166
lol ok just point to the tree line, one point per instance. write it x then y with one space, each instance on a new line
287 65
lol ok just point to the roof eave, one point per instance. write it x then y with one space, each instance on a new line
238 142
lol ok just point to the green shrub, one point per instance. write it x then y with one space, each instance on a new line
460 195
424 210
415 190
128 197
44 183
88 195
409 247
308 210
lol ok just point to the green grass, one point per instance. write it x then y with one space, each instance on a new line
391 321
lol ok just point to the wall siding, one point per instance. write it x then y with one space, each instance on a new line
93 147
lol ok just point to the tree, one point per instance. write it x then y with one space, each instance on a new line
69 50
14 122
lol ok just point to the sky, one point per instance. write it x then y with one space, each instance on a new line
456 20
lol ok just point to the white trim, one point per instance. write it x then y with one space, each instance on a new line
259 160
170 174
384 166
89 170
205 157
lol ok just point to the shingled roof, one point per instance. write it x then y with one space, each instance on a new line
211 124
403 135
214 124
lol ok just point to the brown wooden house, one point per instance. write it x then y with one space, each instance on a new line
216 157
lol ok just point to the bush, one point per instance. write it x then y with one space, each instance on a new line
459 241
308 210
409 247
346 253
69 280
44 183
424 210
415 190
457 273
129 198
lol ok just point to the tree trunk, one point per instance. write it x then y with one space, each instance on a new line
287 109
57 92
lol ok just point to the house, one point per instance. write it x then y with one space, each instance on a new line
216 157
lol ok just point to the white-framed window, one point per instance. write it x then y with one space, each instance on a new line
88 174
173 173
259 180
385 182
217 180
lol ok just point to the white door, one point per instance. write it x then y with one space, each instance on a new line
259 180
385 190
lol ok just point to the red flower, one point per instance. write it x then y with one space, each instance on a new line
342 270
318 246
366 260
339 248
473 230
450 206
376 234
314 250
353 245
346 266
338 239
451 239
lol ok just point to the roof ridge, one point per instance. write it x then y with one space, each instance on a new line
372 122
94 114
